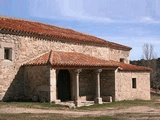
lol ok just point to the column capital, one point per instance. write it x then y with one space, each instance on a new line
98 70
78 71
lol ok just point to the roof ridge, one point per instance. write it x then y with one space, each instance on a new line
50 58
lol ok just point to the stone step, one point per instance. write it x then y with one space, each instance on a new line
71 104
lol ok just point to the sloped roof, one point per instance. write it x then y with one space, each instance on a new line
69 59
73 59
24 27
130 67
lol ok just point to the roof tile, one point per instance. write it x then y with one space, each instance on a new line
129 67
73 59
40 29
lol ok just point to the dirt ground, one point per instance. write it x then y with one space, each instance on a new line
109 111
144 112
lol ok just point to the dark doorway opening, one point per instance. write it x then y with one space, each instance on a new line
63 85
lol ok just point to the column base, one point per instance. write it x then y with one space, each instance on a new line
77 103
98 100
57 101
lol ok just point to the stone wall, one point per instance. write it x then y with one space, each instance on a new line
107 83
37 83
27 48
117 54
123 86
13 90
87 84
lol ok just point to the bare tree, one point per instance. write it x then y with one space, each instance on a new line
149 60
148 54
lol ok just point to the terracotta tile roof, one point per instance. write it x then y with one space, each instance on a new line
129 67
73 59
69 59
24 27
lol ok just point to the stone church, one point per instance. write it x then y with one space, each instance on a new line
47 63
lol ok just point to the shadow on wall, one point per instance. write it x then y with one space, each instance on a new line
15 91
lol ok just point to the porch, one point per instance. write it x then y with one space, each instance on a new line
69 76
83 86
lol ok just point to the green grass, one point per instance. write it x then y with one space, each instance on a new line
120 104
137 116
124 116
33 105
124 104
29 116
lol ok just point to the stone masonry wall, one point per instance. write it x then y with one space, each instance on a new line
107 83
27 48
117 54
87 84
123 86
37 83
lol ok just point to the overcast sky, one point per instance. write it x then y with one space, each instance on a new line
128 22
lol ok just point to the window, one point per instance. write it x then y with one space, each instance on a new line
133 82
8 53
122 60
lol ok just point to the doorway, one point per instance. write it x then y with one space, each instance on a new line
63 85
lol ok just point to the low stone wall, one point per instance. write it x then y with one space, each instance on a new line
123 86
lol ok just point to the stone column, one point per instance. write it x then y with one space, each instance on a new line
52 86
98 99
77 102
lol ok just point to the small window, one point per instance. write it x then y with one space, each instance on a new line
122 60
8 53
133 82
